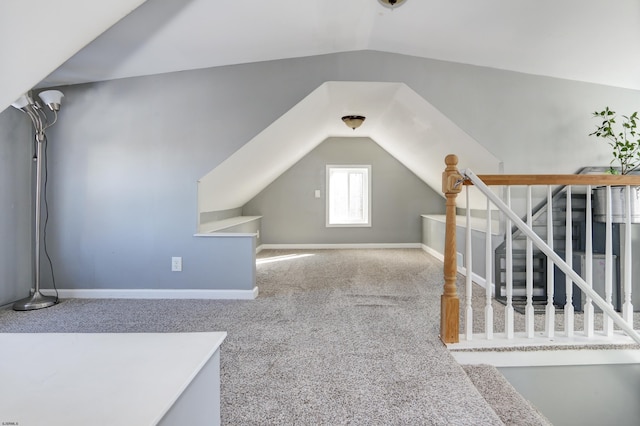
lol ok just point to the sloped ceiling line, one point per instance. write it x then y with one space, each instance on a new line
29 52
545 37
398 119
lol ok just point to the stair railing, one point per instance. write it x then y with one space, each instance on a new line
453 180
555 195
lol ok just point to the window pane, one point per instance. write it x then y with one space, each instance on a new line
348 195
355 196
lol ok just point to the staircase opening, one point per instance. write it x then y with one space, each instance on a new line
578 234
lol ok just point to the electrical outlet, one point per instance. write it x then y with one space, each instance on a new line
317 193
176 264
258 234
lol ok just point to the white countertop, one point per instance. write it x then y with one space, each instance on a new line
97 379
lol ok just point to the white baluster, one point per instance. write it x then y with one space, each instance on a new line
529 311
550 311
488 310
469 269
588 306
568 249
607 323
508 312
627 307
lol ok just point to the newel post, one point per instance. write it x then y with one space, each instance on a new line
449 301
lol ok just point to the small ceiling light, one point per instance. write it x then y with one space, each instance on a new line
392 4
353 121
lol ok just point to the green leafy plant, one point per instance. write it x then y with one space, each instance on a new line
625 141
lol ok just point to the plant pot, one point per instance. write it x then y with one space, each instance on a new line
618 204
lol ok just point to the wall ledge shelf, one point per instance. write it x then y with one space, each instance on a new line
208 229
214 234
477 223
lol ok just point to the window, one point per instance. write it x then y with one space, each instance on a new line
348 196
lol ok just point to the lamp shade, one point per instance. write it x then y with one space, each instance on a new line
353 121
22 102
52 98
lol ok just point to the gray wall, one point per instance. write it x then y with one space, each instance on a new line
586 395
291 213
127 153
433 233
15 201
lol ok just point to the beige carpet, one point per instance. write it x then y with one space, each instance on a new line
335 337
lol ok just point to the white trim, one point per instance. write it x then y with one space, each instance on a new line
259 248
366 203
548 357
520 340
478 224
227 235
339 246
461 269
434 253
230 222
148 293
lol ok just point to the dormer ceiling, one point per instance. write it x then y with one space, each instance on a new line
398 119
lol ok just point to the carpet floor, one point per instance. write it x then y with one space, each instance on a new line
335 337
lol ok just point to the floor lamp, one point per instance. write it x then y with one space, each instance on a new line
41 122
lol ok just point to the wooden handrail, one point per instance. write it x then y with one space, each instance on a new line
558 180
571 275
452 179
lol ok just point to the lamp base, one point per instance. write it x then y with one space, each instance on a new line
36 301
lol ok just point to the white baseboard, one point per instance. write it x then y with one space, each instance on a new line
339 246
153 294
461 269
433 252
549 357
259 248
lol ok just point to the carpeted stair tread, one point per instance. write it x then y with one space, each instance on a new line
511 407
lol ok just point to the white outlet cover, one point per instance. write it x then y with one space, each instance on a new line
176 264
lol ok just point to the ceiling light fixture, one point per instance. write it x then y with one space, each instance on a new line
353 121
392 4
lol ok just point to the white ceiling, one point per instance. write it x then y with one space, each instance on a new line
587 40
32 44
398 119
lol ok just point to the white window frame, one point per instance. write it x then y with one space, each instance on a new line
366 203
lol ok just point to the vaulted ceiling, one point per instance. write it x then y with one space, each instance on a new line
584 40
587 40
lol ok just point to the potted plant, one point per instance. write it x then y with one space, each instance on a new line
624 140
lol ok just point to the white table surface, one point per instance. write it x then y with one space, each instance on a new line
97 379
